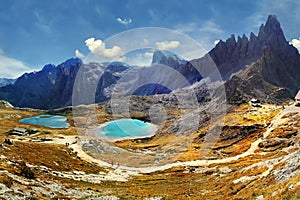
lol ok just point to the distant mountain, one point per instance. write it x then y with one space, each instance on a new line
167 58
6 81
263 66
167 73
52 87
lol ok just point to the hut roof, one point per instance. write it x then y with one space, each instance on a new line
297 95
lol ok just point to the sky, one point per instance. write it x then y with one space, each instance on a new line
35 33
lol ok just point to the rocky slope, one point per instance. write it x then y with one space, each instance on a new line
274 76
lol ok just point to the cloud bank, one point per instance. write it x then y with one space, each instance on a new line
296 43
167 45
11 67
216 42
98 48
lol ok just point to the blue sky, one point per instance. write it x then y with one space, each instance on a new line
34 32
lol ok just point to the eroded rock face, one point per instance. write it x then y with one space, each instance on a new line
274 75
275 143
283 132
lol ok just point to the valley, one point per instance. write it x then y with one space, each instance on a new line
235 167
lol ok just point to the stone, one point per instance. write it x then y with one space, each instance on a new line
9 141
274 142
260 197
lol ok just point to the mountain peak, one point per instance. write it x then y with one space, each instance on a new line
272 21
167 58
271 32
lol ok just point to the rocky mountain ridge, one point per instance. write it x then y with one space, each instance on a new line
6 81
265 66
274 75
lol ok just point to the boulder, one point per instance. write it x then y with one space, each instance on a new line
8 141
274 143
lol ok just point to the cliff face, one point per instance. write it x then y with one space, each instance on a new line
233 55
43 89
274 75
52 87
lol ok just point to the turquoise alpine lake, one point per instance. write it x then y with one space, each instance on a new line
127 128
51 121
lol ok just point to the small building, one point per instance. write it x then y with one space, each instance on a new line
255 103
253 100
22 131
297 98
18 132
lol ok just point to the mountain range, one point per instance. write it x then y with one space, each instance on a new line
6 81
265 67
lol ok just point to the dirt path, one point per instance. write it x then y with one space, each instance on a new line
254 146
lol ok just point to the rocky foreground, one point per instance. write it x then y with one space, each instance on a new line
255 157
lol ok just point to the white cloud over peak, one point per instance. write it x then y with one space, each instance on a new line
124 21
98 48
296 43
78 54
216 42
167 45
149 54
11 67
140 59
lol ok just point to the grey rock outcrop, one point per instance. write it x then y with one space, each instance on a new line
274 75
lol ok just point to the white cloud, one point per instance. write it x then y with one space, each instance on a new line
42 24
149 54
98 48
216 42
204 33
124 21
140 59
207 27
121 58
78 54
167 45
296 43
11 67
211 27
